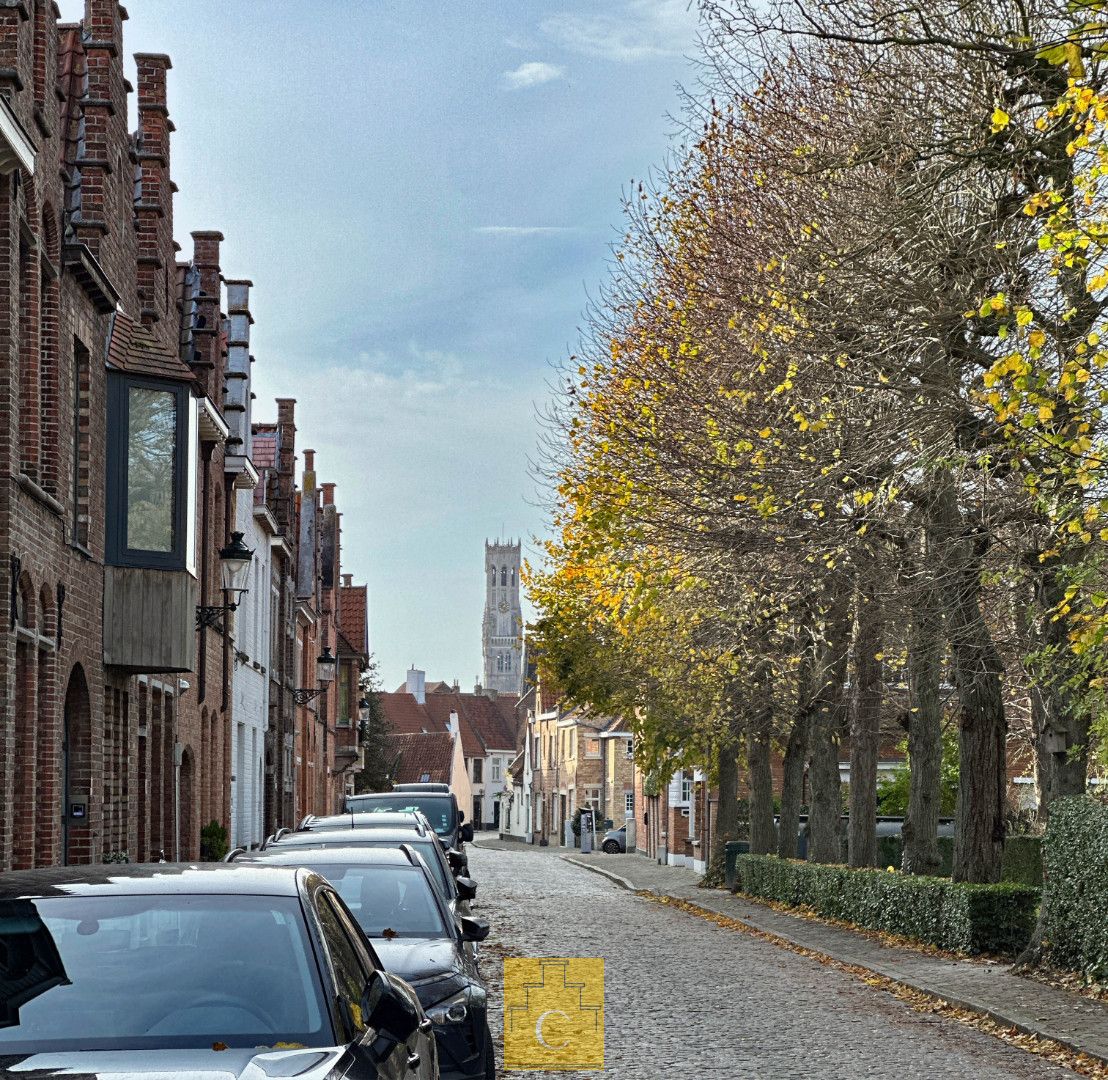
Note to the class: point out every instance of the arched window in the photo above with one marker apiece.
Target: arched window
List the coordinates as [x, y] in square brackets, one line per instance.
[503, 575]
[492, 571]
[499, 662]
[513, 577]
[507, 661]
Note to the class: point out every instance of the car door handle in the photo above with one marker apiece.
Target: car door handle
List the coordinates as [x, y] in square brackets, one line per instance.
[413, 1061]
[425, 1024]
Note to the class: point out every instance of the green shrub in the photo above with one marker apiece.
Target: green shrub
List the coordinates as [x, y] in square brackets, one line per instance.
[213, 842]
[1022, 862]
[1076, 866]
[955, 916]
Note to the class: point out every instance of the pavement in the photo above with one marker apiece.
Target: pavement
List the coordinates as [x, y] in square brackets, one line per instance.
[1078, 1023]
[686, 998]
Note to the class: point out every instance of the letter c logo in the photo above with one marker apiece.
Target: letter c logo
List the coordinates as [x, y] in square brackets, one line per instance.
[538, 1029]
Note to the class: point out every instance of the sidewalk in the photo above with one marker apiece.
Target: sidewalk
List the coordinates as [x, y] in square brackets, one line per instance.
[1076, 1022]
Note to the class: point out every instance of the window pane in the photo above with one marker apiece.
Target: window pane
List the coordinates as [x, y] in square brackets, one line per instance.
[151, 454]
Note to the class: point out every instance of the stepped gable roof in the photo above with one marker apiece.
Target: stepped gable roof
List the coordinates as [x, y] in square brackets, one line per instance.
[440, 706]
[405, 715]
[263, 453]
[421, 758]
[132, 348]
[353, 616]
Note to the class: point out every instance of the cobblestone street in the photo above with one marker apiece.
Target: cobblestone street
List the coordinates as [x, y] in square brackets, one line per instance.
[687, 999]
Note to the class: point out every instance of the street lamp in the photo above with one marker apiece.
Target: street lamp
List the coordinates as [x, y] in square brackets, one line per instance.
[363, 717]
[325, 665]
[234, 572]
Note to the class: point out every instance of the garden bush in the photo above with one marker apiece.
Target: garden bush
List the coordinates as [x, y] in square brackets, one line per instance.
[1022, 861]
[951, 915]
[213, 842]
[1076, 866]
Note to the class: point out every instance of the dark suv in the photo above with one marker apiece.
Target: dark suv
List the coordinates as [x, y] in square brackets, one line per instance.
[439, 807]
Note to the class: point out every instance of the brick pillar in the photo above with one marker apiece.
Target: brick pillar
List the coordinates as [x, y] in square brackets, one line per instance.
[286, 463]
[106, 96]
[154, 200]
[236, 395]
[209, 359]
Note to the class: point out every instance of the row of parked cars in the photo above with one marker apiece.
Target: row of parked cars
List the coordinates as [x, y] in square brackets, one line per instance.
[346, 948]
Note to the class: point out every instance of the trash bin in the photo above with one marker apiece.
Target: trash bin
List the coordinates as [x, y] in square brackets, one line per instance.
[731, 852]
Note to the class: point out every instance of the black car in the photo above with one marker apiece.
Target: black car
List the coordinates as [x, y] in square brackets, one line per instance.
[393, 896]
[439, 807]
[177, 970]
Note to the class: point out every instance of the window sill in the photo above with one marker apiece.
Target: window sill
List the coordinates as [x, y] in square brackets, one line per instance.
[40, 495]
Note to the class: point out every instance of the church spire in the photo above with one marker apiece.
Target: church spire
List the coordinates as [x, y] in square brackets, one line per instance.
[502, 628]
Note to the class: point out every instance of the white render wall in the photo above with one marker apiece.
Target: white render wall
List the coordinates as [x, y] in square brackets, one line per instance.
[250, 684]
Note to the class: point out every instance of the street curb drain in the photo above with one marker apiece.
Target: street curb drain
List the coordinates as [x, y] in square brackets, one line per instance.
[853, 968]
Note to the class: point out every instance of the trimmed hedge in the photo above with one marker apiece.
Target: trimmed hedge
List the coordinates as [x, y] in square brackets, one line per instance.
[1076, 920]
[1022, 861]
[955, 916]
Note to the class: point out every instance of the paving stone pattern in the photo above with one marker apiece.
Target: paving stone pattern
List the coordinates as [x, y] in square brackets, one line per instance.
[686, 999]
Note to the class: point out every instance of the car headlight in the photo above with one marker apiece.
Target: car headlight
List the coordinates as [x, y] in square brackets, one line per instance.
[454, 1010]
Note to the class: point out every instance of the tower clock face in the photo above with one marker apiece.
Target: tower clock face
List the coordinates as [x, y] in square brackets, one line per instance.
[503, 606]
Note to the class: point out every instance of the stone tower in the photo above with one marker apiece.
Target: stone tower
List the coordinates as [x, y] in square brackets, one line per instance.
[502, 629]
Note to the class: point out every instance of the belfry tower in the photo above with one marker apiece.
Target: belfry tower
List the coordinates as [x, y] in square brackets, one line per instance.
[502, 629]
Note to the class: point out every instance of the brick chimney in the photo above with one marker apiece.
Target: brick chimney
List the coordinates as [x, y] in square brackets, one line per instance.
[236, 393]
[286, 461]
[105, 120]
[208, 358]
[155, 254]
[328, 494]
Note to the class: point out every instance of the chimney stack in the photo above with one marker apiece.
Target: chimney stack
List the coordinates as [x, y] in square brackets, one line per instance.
[154, 200]
[206, 332]
[105, 121]
[328, 494]
[236, 392]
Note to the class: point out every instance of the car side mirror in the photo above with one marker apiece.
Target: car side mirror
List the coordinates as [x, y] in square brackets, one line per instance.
[466, 833]
[388, 1008]
[467, 887]
[456, 860]
[473, 929]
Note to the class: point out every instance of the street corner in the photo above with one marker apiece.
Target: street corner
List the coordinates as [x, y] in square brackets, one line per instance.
[553, 1013]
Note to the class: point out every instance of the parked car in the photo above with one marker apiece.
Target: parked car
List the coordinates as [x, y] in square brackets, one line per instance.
[439, 807]
[175, 970]
[615, 841]
[457, 891]
[392, 894]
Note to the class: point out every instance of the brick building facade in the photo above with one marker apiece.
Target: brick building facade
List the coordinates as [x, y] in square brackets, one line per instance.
[126, 462]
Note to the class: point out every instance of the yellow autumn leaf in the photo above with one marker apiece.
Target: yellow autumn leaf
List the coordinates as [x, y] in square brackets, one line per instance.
[1000, 119]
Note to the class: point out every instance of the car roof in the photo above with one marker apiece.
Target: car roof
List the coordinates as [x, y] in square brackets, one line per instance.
[340, 837]
[131, 879]
[366, 820]
[332, 853]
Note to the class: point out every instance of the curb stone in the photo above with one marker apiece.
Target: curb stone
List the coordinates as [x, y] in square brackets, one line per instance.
[919, 985]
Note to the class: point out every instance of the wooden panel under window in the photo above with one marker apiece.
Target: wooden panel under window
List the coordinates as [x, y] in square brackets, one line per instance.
[149, 619]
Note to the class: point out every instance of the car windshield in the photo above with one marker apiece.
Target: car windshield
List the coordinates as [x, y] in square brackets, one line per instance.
[438, 809]
[157, 972]
[387, 901]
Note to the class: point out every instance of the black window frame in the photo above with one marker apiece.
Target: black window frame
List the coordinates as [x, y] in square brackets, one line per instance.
[116, 551]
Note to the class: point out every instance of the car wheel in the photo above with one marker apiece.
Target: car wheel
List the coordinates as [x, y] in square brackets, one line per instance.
[490, 1055]
[611, 847]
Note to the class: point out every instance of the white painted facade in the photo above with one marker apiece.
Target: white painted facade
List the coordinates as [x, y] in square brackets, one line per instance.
[250, 681]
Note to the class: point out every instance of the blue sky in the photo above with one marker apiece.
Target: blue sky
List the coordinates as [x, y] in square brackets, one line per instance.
[424, 193]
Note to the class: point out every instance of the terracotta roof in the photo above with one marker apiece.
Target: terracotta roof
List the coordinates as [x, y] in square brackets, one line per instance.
[133, 349]
[404, 714]
[353, 615]
[264, 453]
[515, 770]
[421, 759]
[440, 706]
[493, 720]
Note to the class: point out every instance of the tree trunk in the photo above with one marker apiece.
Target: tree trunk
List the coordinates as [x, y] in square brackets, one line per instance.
[824, 842]
[792, 781]
[865, 731]
[763, 836]
[1061, 729]
[727, 814]
[982, 727]
[925, 734]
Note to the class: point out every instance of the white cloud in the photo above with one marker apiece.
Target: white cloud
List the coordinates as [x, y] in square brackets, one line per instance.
[521, 230]
[644, 29]
[532, 73]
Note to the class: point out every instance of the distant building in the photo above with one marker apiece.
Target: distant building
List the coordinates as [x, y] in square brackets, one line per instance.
[502, 627]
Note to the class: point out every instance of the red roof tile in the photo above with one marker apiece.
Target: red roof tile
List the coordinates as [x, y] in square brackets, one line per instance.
[440, 706]
[404, 714]
[353, 615]
[133, 349]
[421, 759]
